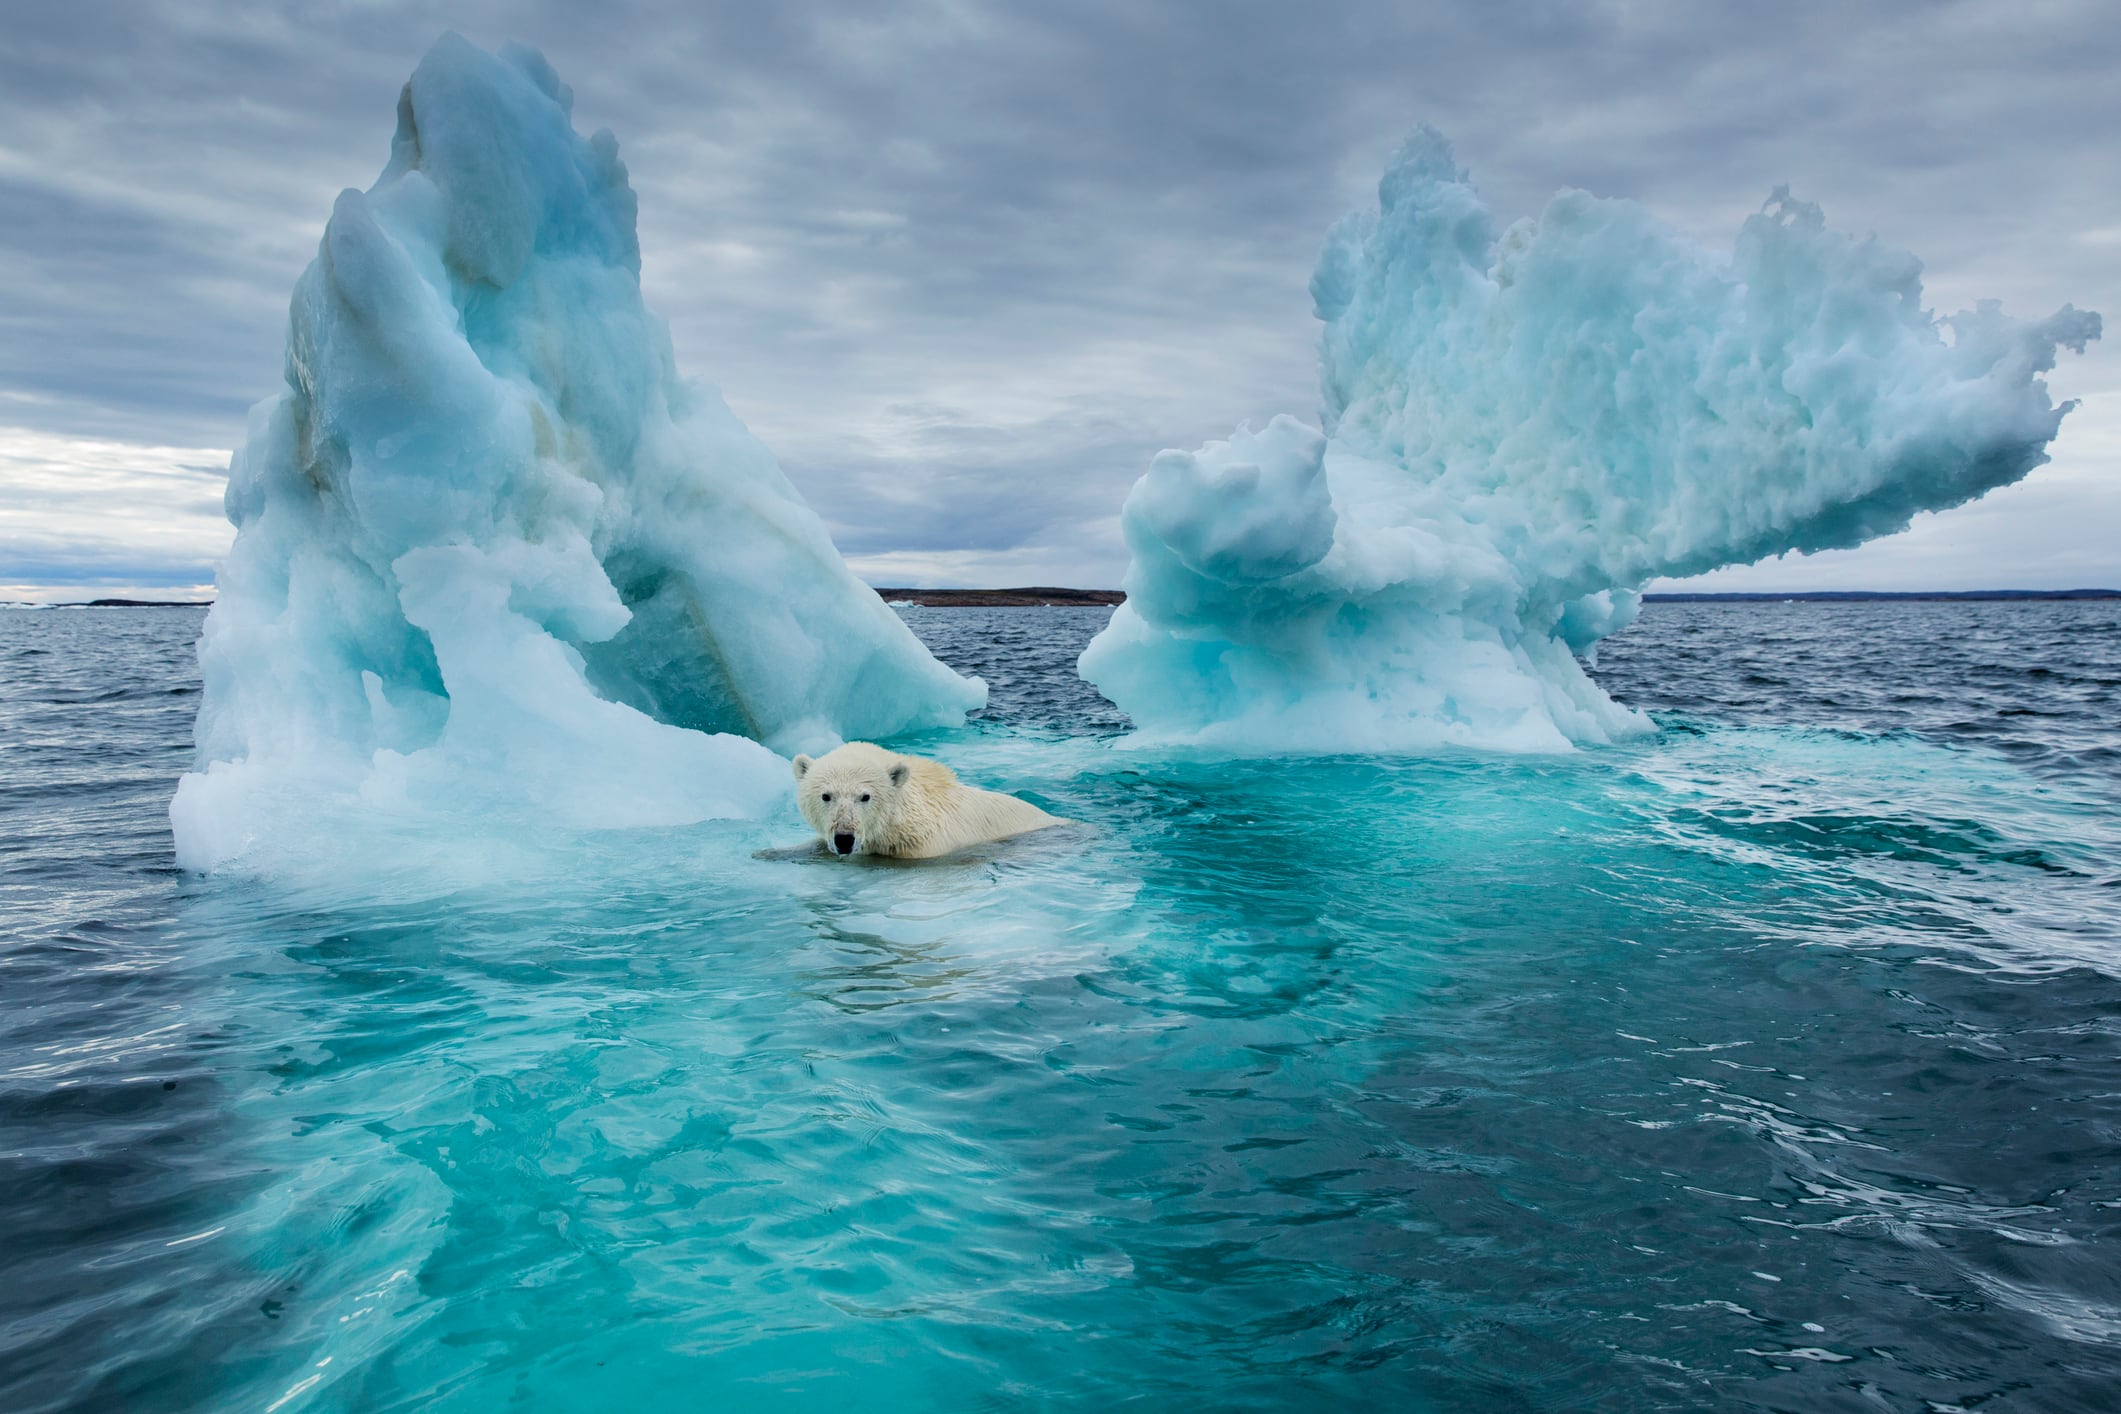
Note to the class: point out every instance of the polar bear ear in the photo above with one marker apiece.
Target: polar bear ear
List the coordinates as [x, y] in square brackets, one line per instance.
[898, 773]
[802, 766]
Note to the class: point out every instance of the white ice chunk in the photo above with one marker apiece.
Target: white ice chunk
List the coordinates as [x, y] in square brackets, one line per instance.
[1524, 430]
[493, 556]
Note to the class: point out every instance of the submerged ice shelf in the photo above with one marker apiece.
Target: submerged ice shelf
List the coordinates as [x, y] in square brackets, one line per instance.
[1522, 430]
[492, 553]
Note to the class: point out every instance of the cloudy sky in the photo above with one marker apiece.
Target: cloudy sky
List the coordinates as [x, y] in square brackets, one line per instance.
[966, 266]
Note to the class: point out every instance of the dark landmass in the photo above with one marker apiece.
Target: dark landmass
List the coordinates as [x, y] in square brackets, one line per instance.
[1038, 596]
[1866, 596]
[1014, 598]
[140, 604]
[110, 604]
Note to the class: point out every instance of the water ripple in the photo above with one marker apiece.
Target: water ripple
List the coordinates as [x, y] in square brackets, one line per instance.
[1767, 1065]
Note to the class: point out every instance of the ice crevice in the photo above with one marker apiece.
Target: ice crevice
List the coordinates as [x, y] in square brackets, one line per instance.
[1521, 429]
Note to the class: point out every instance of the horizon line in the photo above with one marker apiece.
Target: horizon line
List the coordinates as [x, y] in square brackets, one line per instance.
[1115, 596]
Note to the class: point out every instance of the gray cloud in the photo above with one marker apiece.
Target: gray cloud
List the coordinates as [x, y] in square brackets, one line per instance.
[966, 266]
[107, 517]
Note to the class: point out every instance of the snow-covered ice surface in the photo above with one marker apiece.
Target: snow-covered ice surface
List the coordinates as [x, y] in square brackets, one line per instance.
[1519, 432]
[494, 557]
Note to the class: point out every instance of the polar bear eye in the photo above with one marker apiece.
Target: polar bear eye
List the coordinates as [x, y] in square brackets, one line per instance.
[865, 797]
[826, 797]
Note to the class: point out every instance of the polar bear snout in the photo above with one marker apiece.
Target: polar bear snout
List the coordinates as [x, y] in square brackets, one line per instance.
[845, 799]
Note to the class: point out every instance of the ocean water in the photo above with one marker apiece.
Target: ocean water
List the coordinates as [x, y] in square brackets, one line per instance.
[1774, 1063]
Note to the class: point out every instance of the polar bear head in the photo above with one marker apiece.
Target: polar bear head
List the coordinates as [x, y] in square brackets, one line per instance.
[850, 795]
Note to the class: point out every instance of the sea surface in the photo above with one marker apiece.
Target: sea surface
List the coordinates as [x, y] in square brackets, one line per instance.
[1773, 1063]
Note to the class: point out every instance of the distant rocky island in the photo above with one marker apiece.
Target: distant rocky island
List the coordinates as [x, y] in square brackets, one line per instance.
[1039, 596]
[142, 604]
[1046, 596]
[109, 604]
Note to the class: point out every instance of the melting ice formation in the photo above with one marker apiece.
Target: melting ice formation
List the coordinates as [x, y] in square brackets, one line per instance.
[1519, 433]
[492, 554]
[494, 557]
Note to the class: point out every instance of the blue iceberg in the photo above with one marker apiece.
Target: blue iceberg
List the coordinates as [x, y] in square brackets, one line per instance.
[1520, 431]
[493, 555]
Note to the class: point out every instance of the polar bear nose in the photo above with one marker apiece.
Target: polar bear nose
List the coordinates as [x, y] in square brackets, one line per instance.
[844, 843]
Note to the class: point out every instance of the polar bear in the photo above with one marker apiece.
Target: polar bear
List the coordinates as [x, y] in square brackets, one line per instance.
[862, 799]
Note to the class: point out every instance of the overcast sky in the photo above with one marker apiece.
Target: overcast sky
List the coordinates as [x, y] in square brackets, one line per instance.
[965, 267]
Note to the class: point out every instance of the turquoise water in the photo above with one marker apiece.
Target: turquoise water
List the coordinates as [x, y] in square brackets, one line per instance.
[1773, 1064]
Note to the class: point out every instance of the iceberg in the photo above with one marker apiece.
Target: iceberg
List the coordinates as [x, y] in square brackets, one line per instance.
[1522, 429]
[493, 556]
